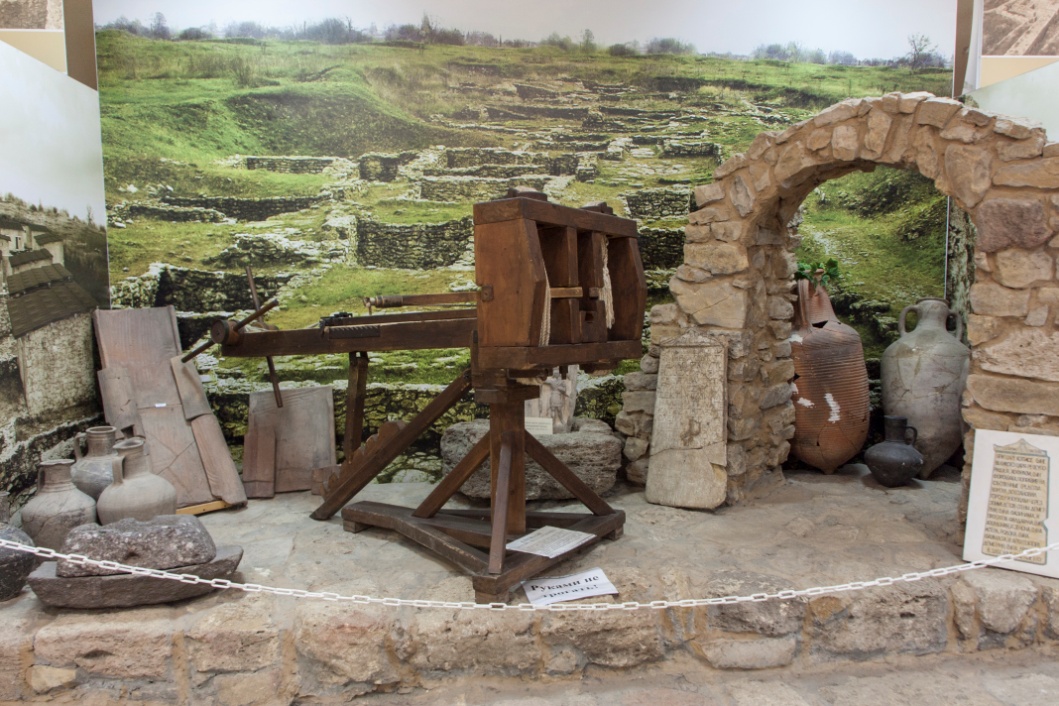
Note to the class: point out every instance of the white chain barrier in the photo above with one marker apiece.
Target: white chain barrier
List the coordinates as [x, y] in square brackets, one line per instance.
[82, 560]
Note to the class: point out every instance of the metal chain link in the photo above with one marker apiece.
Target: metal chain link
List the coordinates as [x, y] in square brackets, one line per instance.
[784, 595]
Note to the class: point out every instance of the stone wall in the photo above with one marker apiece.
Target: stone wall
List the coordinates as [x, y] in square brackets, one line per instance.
[382, 167]
[661, 248]
[463, 189]
[290, 165]
[193, 290]
[416, 246]
[246, 209]
[654, 204]
[177, 214]
[736, 280]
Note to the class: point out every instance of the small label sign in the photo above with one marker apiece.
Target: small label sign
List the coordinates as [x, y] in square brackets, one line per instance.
[556, 589]
[550, 541]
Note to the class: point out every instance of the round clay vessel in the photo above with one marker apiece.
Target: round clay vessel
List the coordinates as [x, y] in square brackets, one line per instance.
[830, 388]
[15, 566]
[894, 461]
[136, 492]
[923, 377]
[94, 471]
[57, 507]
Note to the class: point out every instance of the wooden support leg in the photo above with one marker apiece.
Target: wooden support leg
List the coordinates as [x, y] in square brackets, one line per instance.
[454, 480]
[509, 417]
[355, 391]
[567, 478]
[501, 505]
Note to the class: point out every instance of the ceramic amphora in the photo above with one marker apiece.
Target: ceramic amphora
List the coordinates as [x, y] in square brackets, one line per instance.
[923, 376]
[136, 492]
[57, 507]
[93, 471]
[895, 461]
[830, 392]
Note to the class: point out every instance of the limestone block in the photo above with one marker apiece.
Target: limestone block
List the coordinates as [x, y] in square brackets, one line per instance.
[728, 231]
[902, 136]
[730, 166]
[634, 448]
[837, 113]
[590, 450]
[1040, 173]
[163, 542]
[1025, 352]
[973, 166]
[879, 124]
[736, 460]
[1038, 316]
[134, 644]
[636, 472]
[235, 637]
[494, 643]
[908, 102]
[688, 444]
[962, 130]
[759, 146]
[819, 139]
[795, 158]
[780, 308]
[619, 639]
[262, 688]
[694, 275]
[965, 606]
[776, 395]
[1014, 395]
[996, 300]
[765, 653]
[926, 153]
[845, 143]
[1020, 268]
[906, 618]
[981, 261]
[639, 424]
[1050, 595]
[777, 372]
[639, 382]
[742, 194]
[768, 618]
[339, 645]
[43, 678]
[16, 643]
[698, 234]
[1010, 150]
[1017, 129]
[983, 328]
[708, 193]
[1051, 149]
[714, 303]
[937, 111]
[1003, 598]
[978, 418]
[717, 213]
[761, 176]
[718, 258]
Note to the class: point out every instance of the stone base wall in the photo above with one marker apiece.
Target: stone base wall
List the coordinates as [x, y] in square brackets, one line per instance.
[418, 246]
[460, 189]
[246, 209]
[177, 214]
[655, 204]
[192, 290]
[290, 165]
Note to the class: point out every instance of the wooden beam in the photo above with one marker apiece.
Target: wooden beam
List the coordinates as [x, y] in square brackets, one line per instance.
[454, 480]
[567, 478]
[412, 335]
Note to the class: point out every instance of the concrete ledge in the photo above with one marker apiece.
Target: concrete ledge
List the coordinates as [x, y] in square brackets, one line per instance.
[239, 648]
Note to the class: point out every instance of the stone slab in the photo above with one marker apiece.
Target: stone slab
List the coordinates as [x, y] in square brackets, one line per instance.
[127, 590]
[160, 543]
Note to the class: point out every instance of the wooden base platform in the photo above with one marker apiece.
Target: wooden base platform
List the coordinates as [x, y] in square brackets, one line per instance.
[460, 535]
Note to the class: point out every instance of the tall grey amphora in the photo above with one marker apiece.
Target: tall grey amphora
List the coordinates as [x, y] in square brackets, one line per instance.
[57, 507]
[924, 374]
[136, 493]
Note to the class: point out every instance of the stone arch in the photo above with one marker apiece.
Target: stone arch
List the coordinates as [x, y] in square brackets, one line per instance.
[736, 285]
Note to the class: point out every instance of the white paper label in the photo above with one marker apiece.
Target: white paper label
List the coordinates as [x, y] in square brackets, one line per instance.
[159, 405]
[556, 589]
[550, 541]
[540, 426]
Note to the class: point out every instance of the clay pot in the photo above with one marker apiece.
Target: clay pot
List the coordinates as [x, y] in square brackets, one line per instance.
[923, 377]
[57, 507]
[136, 492]
[15, 566]
[93, 471]
[830, 388]
[895, 461]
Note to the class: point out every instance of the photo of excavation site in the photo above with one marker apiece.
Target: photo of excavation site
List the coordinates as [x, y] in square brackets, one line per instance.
[1021, 28]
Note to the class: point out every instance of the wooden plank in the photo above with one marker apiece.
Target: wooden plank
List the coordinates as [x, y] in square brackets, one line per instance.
[454, 333]
[454, 480]
[567, 478]
[629, 286]
[259, 463]
[284, 444]
[174, 455]
[566, 292]
[189, 389]
[500, 503]
[356, 391]
[400, 520]
[352, 480]
[510, 270]
[552, 214]
[137, 336]
[203, 508]
[522, 358]
[119, 400]
[409, 316]
[221, 473]
[507, 424]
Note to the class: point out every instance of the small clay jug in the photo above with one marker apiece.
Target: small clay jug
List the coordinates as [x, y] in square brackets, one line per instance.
[895, 461]
[93, 471]
[136, 492]
[15, 566]
[57, 507]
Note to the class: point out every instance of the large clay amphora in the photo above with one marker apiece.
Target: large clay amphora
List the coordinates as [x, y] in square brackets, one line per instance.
[895, 461]
[57, 507]
[136, 492]
[923, 376]
[93, 471]
[15, 566]
[830, 383]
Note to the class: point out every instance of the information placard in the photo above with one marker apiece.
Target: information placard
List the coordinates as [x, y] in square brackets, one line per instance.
[1012, 496]
[556, 589]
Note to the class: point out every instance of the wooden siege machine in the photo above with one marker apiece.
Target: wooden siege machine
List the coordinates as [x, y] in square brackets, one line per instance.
[557, 286]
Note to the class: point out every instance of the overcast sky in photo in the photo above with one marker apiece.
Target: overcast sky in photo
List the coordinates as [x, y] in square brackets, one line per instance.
[50, 152]
[865, 28]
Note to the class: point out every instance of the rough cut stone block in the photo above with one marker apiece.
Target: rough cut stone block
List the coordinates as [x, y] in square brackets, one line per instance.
[1014, 395]
[845, 143]
[1030, 352]
[742, 195]
[769, 618]
[718, 258]
[765, 653]
[713, 303]
[837, 113]
[120, 645]
[972, 168]
[488, 644]
[235, 637]
[909, 618]
[16, 642]
[343, 648]
[996, 300]
[591, 451]
[619, 639]
[128, 590]
[1039, 173]
[708, 193]
[1010, 150]
[688, 459]
[879, 123]
[937, 111]
[1020, 268]
[907, 102]
[163, 542]
[1011, 222]
[1004, 598]
[1018, 130]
